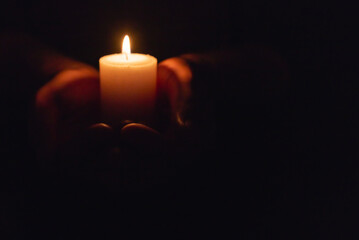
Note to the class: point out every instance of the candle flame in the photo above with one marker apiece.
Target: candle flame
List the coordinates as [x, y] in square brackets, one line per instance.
[126, 48]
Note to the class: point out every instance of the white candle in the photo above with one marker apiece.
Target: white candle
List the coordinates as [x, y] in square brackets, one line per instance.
[128, 86]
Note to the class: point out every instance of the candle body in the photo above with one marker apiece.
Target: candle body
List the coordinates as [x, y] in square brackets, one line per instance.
[128, 87]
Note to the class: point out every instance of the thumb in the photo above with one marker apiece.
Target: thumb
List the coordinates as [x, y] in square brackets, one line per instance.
[139, 136]
[174, 83]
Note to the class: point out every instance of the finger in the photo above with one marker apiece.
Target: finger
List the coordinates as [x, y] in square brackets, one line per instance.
[139, 136]
[174, 82]
[174, 77]
[74, 85]
[71, 91]
[100, 135]
[179, 67]
[68, 103]
[143, 158]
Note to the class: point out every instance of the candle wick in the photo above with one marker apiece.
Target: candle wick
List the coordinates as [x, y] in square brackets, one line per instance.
[126, 56]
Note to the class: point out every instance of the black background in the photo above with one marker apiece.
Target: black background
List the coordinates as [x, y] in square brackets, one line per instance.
[292, 172]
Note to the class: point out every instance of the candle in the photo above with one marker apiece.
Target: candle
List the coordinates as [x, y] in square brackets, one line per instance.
[128, 85]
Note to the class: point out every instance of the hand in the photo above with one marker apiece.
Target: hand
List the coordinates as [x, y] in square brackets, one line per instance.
[68, 105]
[142, 156]
[174, 88]
[65, 107]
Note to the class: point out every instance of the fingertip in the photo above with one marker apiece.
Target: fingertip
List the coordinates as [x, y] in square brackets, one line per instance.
[138, 129]
[141, 136]
[178, 67]
[100, 127]
[100, 133]
[43, 98]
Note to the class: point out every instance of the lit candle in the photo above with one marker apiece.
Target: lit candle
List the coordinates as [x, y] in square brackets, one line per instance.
[128, 85]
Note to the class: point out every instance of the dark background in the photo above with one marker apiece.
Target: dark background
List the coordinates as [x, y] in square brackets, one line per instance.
[89, 29]
[292, 172]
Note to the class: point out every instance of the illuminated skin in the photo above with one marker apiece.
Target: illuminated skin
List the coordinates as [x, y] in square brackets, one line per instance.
[68, 113]
[72, 91]
[69, 103]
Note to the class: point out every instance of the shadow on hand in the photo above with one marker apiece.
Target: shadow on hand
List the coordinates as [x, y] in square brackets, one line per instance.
[128, 158]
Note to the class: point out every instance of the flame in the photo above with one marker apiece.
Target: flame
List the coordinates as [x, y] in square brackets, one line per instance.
[126, 48]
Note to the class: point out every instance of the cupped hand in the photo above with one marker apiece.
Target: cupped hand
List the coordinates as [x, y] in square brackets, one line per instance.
[70, 136]
[142, 155]
[66, 106]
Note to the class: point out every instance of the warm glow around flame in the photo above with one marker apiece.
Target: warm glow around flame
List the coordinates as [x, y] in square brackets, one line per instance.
[126, 48]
